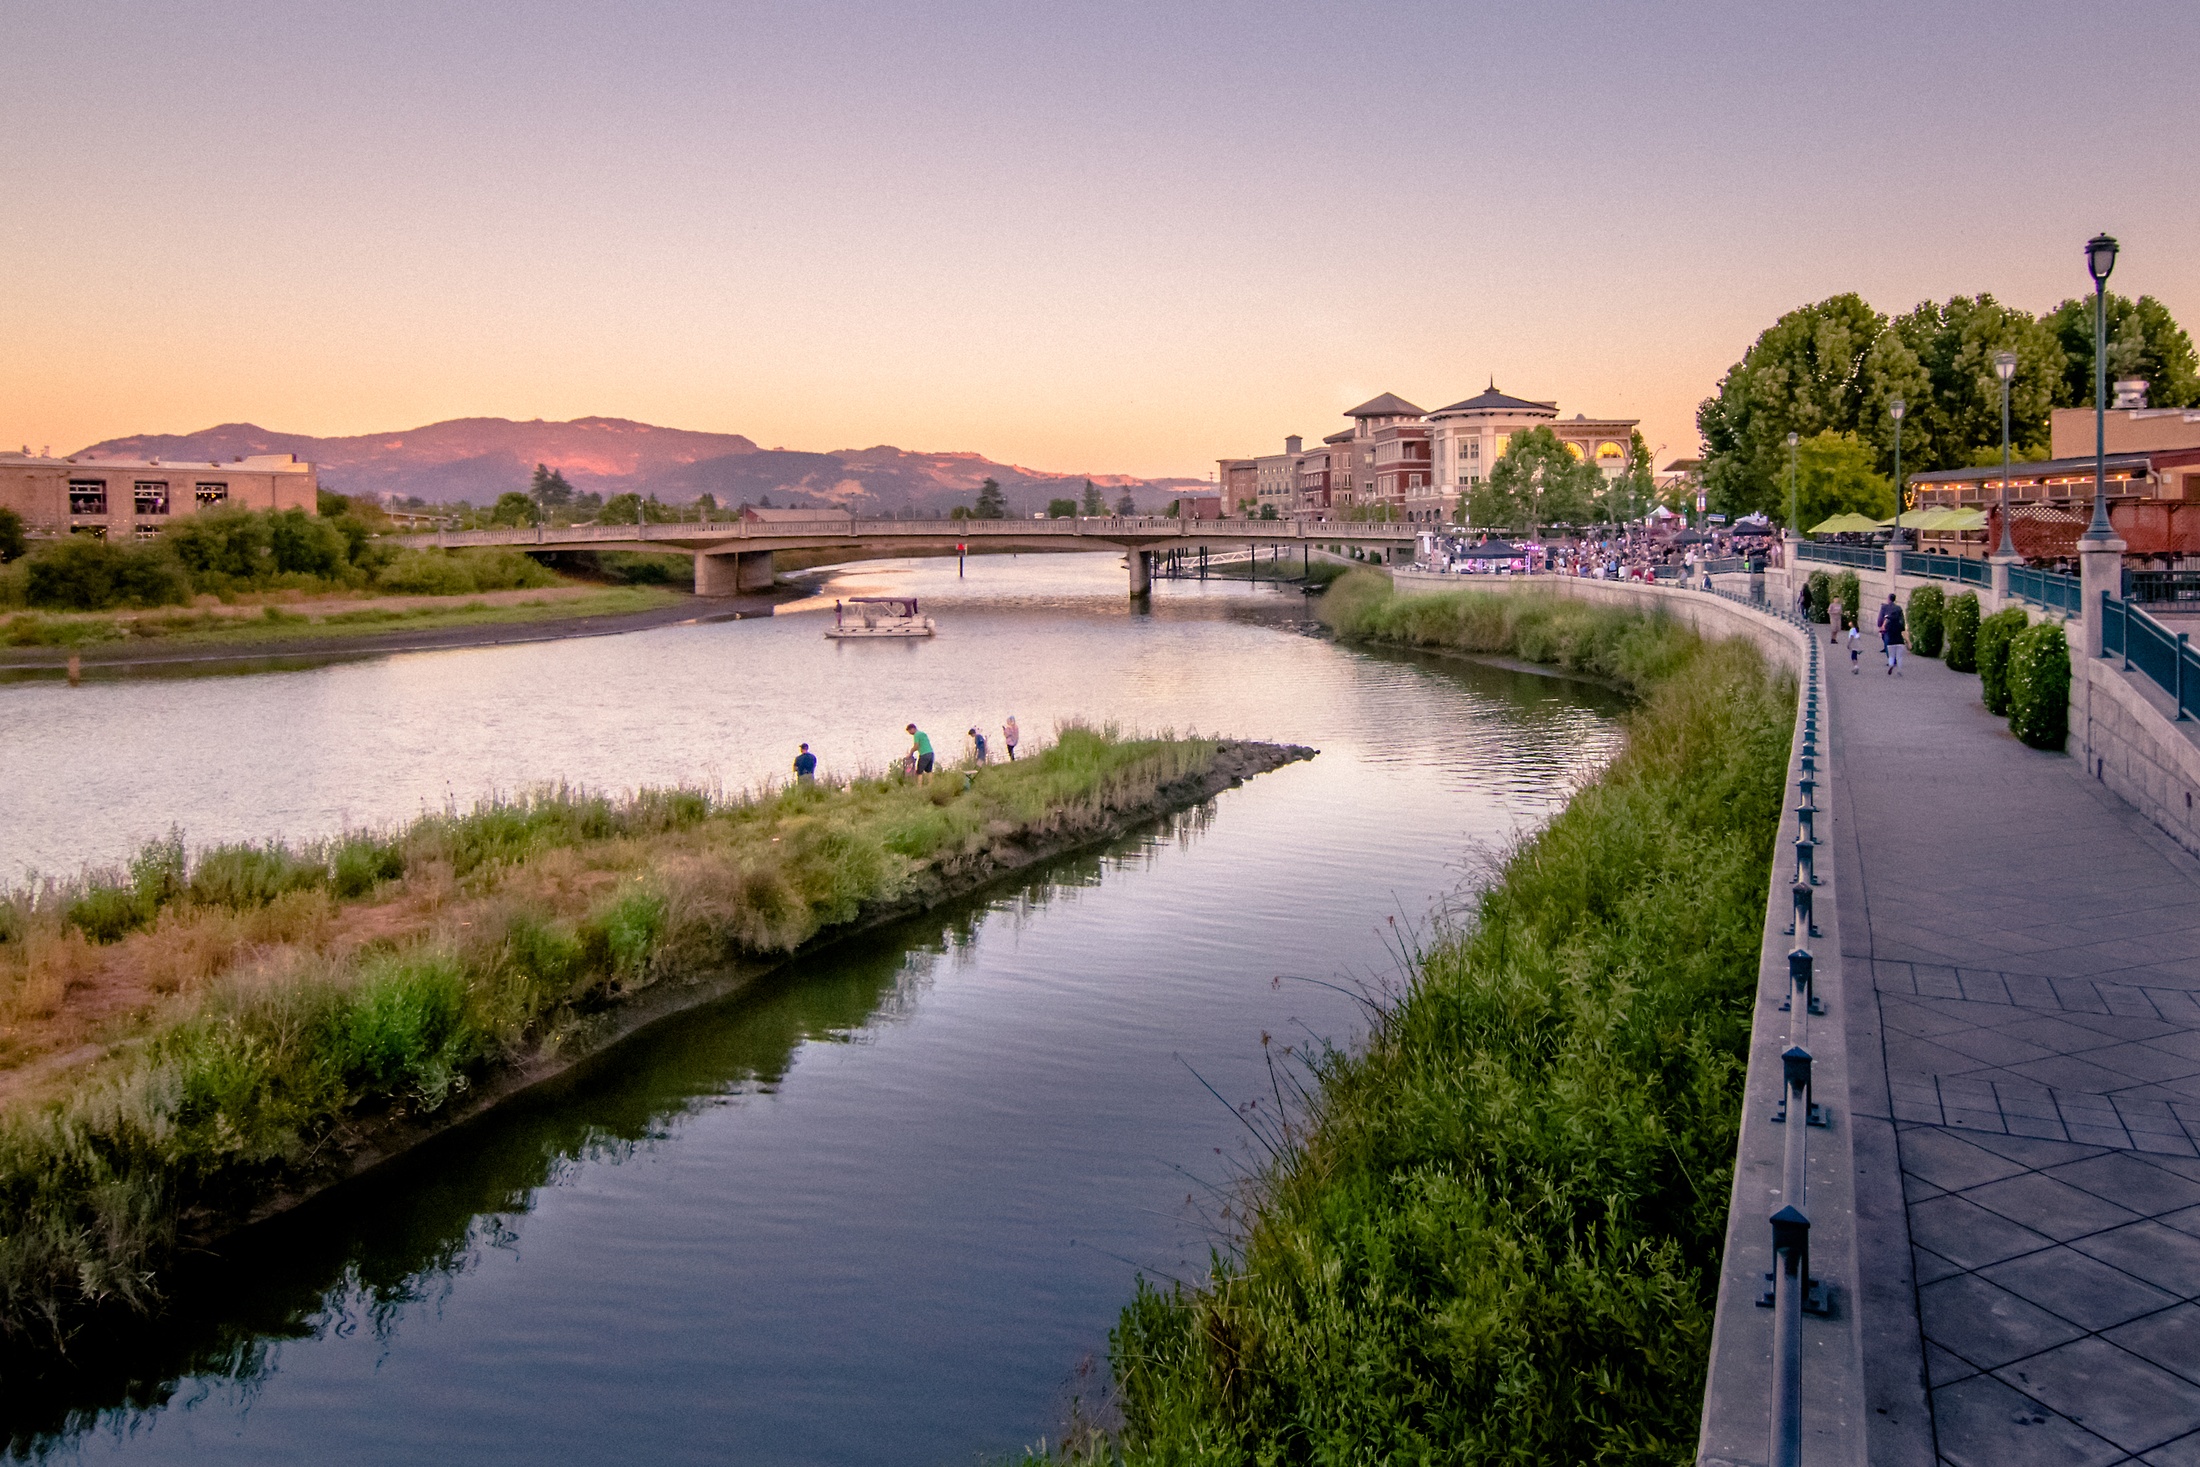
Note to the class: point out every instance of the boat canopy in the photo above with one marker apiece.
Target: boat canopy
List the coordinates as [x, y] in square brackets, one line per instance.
[901, 605]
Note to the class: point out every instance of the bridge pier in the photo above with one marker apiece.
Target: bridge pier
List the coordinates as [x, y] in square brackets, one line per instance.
[729, 573]
[1141, 566]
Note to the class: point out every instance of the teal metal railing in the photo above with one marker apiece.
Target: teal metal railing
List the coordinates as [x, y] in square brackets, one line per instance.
[2166, 658]
[1947, 568]
[2046, 588]
[1863, 557]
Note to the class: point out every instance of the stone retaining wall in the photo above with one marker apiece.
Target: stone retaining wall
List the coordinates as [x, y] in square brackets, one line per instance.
[2126, 735]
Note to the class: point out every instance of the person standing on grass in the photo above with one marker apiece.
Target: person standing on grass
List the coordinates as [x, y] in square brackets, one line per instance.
[920, 749]
[805, 766]
[977, 748]
[1891, 625]
[1011, 737]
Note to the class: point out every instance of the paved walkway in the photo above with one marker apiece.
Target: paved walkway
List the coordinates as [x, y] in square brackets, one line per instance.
[2034, 947]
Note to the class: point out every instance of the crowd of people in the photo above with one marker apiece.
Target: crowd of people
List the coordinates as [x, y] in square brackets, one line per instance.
[922, 759]
[1641, 552]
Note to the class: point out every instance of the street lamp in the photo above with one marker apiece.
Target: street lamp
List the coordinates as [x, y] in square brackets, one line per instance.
[2005, 367]
[2100, 259]
[1795, 525]
[1897, 407]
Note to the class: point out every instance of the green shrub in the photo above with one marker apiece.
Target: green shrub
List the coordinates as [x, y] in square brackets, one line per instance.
[244, 877]
[361, 862]
[1927, 610]
[107, 913]
[624, 934]
[302, 544]
[1820, 587]
[84, 573]
[224, 548]
[402, 1032]
[2039, 685]
[1849, 592]
[462, 572]
[1962, 630]
[1995, 634]
[12, 540]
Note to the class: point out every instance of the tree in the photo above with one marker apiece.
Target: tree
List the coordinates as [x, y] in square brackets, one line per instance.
[1268, 512]
[1125, 505]
[12, 541]
[1539, 481]
[515, 508]
[1955, 395]
[549, 489]
[626, 509]
[990, 505]
[1834, 475]
[1810, 372]
[2144, 341]
[1094, 504]
[1061, 509]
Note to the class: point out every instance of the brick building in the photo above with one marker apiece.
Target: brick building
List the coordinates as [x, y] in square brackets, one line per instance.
[133, 498]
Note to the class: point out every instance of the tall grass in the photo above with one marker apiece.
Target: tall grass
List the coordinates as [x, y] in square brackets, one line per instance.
[1494, 1233]
[309, 991]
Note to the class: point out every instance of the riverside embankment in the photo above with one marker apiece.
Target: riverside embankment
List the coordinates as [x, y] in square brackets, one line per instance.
[876, 1207]
[1495, 1230]
[205, 1043]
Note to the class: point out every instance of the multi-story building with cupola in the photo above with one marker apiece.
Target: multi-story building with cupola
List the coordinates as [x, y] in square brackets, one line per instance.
[1417, 462]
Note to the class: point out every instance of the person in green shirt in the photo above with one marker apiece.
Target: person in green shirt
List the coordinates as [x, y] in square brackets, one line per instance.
[920, 745]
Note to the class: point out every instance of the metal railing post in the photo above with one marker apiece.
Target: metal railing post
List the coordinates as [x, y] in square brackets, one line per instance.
[1790, 1276]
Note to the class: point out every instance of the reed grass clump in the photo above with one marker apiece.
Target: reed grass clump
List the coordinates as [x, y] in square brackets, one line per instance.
[1495, 1233]
[274, 1000]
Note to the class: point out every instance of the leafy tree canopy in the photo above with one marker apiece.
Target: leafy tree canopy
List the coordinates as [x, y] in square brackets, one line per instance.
[1061, 509]
[1126, 505]
[1094, 504]
[549, 489]
[1834, 475]
[1538, 482]
[2144, 341]
[515, 508]
[12, 540]
[991, 505]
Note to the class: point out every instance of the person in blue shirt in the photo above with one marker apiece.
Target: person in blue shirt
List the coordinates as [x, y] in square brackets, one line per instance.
[805, 765]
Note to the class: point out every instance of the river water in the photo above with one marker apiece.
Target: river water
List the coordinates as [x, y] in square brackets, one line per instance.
[884, 1208]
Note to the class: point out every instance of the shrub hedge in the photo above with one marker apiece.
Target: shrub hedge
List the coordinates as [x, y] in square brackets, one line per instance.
[1962, 628]
[1849, 592]
[1928, 607]
[1994, 636]
[2039, 685]
[1820, 586]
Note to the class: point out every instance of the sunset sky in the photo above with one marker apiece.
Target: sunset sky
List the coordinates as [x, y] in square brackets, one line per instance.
[1121, 237]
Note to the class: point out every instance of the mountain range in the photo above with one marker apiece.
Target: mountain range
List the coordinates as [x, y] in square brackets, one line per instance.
[477, 459]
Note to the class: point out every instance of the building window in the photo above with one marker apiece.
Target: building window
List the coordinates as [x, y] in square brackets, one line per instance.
[213, 494]
[87, 496]
[148, 532]
[152, 496]
[97, 532]
[1474, 448]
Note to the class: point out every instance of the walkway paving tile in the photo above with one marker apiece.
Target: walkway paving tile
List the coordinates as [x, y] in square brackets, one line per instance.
[2184, 1452]
[2086, 1292]
[2110, 1392]
[2170, 1339]
[2129, 1181]
[1987, 1325]
[2150, 1250]
[1967, 1234]
[1981, 1422]
[2044, 1205]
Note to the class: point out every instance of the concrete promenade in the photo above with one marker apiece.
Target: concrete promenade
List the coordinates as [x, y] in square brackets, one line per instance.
[2033, 948]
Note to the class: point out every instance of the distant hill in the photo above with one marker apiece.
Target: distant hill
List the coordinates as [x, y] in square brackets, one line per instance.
[477, 459]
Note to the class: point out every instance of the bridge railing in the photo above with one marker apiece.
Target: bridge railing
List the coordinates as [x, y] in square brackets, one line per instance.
[842, 527]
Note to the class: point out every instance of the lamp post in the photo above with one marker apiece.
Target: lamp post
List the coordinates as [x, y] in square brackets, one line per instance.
[1896, 407]
[1795, 524]
[2100, 259]
[2005, 367]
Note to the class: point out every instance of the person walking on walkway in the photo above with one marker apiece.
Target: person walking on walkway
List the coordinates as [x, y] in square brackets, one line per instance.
[805, 766]
[1011, 736]
[920, 748]
[1856, 645]
[1891, 622]
[1835, 617]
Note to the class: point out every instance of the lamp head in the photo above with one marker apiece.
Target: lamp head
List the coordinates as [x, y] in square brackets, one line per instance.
[2100, 257]
[1896, 407]
[1794, 438]
[2005, 365]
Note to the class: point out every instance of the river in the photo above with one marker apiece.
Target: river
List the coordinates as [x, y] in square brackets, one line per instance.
[884, 1208]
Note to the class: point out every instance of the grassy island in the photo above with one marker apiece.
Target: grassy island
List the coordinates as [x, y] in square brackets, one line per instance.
[1494, 1233]
[200, 1041]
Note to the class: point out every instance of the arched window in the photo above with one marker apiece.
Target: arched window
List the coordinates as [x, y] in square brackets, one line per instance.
[1575, 449]
[1609, 450]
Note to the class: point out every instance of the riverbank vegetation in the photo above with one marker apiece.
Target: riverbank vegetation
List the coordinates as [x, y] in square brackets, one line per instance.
[1493, 1233]
[185, 1039]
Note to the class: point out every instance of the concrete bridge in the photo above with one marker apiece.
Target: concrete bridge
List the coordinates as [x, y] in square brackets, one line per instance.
[732, 556]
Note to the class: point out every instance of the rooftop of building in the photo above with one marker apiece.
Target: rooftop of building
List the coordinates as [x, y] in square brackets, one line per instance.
[1493, 401]
[2060, 468]
[259, 462]
[1389, 405]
